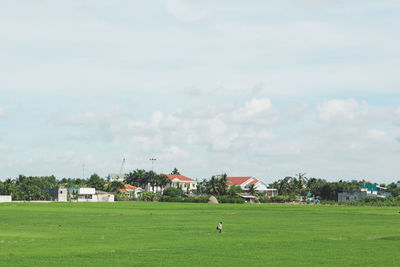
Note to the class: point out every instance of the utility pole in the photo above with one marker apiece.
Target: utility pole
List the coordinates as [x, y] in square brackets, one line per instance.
[83, 171]
[152, 163]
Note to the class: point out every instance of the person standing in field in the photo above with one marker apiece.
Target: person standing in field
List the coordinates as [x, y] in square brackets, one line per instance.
[219, 227]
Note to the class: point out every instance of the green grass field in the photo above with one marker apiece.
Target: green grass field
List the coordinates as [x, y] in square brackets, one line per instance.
[183, 234]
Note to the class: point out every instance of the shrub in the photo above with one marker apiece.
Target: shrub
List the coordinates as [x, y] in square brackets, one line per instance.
[120, 197]
[148, 196]
[173, 192]
[230, 199]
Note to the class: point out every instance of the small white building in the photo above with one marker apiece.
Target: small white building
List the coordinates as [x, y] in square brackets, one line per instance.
[116, 177]
[92, 195]
[5, 198]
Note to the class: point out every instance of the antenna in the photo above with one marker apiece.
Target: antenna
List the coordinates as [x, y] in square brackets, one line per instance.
[152, 162]
[122, 165]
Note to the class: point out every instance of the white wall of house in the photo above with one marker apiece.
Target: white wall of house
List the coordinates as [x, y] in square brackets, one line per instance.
[86, 191]
[192, 185]
[62, 194]
[5, 198]
[260, 186]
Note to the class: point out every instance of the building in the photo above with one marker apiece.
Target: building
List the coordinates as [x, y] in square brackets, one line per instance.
[365, 191]
[186, 183]
[59, 194]
[92, 195]
[352, 196]
[5, 198]
[375, 190]
[116, 177]
[131, 191]
[245, 181]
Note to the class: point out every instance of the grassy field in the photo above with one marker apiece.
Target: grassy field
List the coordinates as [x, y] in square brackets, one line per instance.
[183, 234]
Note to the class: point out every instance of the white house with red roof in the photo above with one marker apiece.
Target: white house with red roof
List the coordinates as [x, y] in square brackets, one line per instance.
[131, 190]
[186, 183]
[246, 181]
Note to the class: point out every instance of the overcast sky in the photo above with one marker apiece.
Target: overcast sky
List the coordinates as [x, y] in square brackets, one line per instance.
[255, 88]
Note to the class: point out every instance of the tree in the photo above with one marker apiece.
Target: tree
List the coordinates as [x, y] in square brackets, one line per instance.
[173, 192]
[137, 178]
[175, 171]
[217, 185]
[163, 181]
[233, 190]
[251, 189]
[302, 180]
[212, 186]
[96, 182]
[114, 186]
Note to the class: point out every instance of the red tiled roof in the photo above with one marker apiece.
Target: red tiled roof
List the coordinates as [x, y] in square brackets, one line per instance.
[130, 187]
[253, 182]
[237, 180]
[179, 177]
[122, 190]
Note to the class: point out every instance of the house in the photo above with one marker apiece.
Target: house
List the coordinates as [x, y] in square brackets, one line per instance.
[245, 181]
[131, 191]
[186, 183]
[59, 194]
[116, 177]
[365, 191]
[375, 190]
[92, 195]
[5, 198]
[352, 196]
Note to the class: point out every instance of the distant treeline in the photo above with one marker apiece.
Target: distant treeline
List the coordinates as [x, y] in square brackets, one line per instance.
[289, 188]
[322, 189]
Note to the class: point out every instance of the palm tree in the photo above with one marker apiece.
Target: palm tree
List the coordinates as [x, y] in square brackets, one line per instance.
[136, 178]
[251, 189]
[222, 184]
[212, 186]
[163, 181]
[302, 180]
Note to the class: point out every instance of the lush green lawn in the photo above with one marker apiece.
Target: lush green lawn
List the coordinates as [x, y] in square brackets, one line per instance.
[111, 234]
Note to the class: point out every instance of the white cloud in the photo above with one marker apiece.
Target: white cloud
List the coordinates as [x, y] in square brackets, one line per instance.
[337, 109]
[184, 11]
[2, 111]
[376, 134]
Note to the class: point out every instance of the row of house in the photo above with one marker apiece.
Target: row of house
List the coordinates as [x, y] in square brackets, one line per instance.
[365, 191]
[187, 184]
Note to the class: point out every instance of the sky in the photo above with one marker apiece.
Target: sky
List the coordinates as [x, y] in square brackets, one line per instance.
[248, 88]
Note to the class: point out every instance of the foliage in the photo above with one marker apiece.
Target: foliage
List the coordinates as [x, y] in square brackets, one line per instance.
[230, 199]
[175, 171]
[148, 196]
[28, 187]
[233, 190]
[173, 192]
[122, 197]
[143, 179]
[277, 199]
[217, 185]
[251, 189]
[96, 182]
[184, 199]
[114, 186]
